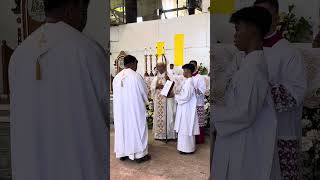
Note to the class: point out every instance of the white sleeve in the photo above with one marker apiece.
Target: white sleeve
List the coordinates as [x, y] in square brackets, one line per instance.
[251, 92]
[296, 81]
[232, 67]
[96, 62]
[143, 88]
[185, 94]
[202, 86]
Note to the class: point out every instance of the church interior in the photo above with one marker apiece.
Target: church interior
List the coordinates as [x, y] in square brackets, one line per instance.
[179, 31]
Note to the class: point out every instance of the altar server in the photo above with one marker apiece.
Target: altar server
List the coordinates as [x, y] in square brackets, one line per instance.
[288, 81]
[200, 89]
[186, 124]
[246, 125]
[164, 108]
[58, 82]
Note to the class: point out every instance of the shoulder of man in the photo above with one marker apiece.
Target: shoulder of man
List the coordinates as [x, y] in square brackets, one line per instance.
[287, 49]
[86, 45]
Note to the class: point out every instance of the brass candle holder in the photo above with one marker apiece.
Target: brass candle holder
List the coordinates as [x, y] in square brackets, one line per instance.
[146, 65]
[151, 74]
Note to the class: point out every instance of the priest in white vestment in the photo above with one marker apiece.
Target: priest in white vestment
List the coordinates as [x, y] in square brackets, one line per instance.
[200, 88]
[186, 124]
[172, 71]
[287, 76]
[129, 109]
[246, 125]
[164, 108]
[58, 82]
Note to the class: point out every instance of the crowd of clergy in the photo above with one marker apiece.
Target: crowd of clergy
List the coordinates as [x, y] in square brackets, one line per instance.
[179, 115]
[58, 102]
[256, 129]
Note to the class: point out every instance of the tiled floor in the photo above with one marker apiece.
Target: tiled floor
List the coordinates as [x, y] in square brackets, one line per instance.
[166, 163]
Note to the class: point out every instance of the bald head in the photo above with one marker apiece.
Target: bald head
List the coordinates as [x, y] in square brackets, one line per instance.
[161, 67]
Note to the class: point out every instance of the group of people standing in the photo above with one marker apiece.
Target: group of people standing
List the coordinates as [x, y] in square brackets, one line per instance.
[58, 127]
[165, 107]
[179, 115]
[257, 129]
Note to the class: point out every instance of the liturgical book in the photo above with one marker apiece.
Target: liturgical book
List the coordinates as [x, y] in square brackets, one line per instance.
[167, 88]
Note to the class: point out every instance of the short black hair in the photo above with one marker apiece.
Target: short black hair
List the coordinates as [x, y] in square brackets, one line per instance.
[189, 67]
[129, 59]
[273, 3]
[50, 5]
[194, 62]
[258, 16]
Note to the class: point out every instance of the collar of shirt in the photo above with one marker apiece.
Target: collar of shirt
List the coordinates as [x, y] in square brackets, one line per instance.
[272, 39]
[195, 73]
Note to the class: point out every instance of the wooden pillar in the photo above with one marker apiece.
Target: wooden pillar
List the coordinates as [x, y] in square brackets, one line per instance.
[6, 55]
[316, 41]
[146, 65]
[131, 8]
[151, 69]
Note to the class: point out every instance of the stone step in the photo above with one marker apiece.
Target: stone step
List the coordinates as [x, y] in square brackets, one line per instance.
[4, 107]
[4, 113]
[4, 100]
[4, 116]
[4, 119]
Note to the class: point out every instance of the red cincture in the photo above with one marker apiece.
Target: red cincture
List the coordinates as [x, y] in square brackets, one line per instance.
[194, 74]
[272, 40]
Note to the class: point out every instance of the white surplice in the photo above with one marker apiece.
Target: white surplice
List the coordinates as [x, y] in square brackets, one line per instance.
[186, 124]
[164, 110]
[171, 72]
[286, 67]
[200, 86]
[129, 109]
[246, 126]
[58, 123]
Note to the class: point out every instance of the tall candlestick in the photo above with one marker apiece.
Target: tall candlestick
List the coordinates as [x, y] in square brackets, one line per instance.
[145, 51]
[151, 74]
[146, 67]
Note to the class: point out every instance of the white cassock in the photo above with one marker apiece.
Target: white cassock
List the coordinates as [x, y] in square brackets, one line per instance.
[200, 86]
[286, 67]
[289, 84]
[129, 109]
[58, 123]
[171, 72]
[199, 83]
[164, 111]
[246, 126]
[186, 124]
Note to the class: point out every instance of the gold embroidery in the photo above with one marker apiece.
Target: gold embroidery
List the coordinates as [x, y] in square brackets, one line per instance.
[160, 114]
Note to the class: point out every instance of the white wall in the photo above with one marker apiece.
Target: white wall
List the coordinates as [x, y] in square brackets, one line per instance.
[96, 26]
[133, 38]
